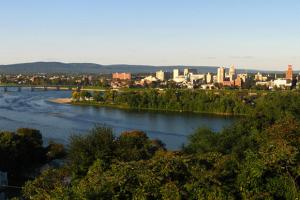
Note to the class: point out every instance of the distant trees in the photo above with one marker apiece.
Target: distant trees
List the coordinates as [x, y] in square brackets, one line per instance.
[97, 96]
[85, 94]
[75, 96]
[178, 100]
[220, 102]
[82, 95]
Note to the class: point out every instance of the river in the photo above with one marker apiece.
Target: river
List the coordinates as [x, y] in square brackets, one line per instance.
[58, 121]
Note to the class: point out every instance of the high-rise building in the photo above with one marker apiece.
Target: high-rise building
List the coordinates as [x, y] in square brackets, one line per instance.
[175, 73]
[232, 74]
[160, 75]
[220, 75]
[289, 73]
[209, 78]
[186, 71]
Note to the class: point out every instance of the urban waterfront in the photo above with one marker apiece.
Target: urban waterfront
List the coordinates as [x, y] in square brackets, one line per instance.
[58, 121]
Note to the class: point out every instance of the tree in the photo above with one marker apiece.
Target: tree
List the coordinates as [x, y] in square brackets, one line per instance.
[85, 149]
[76, 96]
[55, 151]
[23, 152]
[134, 145]
[97, 96]
[202, 141]
[51, 184]
[272, 171]
[85, 94]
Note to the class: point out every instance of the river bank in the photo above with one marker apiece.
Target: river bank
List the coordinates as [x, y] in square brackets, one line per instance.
[61, 100]
[126, 107]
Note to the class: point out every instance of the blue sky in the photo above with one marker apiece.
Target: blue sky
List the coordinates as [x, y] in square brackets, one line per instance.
[247, 33]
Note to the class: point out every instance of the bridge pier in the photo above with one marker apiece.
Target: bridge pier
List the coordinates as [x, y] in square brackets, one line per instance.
[5, 89]
[32, 89]
[19, 89]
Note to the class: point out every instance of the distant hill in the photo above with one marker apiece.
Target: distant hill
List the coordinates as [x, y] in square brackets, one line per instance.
[91, 68]
[87, 68]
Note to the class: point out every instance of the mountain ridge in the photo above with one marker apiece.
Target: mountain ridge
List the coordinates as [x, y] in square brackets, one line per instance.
[93, 68]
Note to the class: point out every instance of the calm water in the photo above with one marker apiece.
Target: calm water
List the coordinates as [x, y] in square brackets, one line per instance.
[58, 121]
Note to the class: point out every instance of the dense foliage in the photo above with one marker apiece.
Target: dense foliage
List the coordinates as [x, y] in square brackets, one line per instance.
[22, 152]
[222, 102]
[256, 158]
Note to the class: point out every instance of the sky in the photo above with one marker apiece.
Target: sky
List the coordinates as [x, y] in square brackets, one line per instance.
[258, 34]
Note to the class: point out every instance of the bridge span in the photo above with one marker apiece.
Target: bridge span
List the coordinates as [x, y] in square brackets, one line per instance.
[7, 88]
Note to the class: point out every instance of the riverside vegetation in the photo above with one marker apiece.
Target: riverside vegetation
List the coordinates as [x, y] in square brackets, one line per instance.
[256, 158]
[182, 100]
[223, 102]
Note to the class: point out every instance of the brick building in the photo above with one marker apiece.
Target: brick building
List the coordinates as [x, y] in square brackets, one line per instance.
[121, 76]
[289, 73]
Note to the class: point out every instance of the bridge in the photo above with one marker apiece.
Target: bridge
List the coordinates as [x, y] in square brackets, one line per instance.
[7, 88]
[19, 88]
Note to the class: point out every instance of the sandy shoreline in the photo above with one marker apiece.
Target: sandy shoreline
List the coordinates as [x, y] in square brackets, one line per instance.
[61, 100]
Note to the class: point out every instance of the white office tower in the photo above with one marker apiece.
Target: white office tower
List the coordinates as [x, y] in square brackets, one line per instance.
[232, 73]
[208, 78]
[186, 72]
[175, 73]
[160, 75]
[221, 75]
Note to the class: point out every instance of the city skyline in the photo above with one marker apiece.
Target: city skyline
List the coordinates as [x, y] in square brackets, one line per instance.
[249, 34]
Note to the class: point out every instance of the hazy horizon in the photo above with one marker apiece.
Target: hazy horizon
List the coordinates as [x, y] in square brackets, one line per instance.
[158, 66]
[248, 34]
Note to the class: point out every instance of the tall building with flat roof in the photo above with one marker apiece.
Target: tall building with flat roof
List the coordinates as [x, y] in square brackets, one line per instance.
[175, 73]
[160, 75]
[187, 71]
[221, 75]
[289, 73]
[209, 78]
[232, 73]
